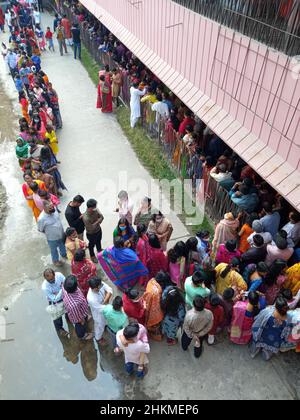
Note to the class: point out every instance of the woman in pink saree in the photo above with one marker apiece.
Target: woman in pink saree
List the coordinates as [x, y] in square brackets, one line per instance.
[244, 313]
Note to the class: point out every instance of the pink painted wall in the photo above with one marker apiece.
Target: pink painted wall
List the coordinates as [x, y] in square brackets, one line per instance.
[255, 85]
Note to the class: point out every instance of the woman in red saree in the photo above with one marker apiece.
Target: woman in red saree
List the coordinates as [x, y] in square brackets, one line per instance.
[99, 96]
[134, 306]
[83, 269]
[24, 106]
[157, 260]
[106, 95]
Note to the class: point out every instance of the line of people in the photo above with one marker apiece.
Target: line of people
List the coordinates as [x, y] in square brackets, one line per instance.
[163, 289]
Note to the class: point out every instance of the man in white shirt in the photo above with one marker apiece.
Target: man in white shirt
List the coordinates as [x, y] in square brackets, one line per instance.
[8, 19]
[52, 287]
[133, 340]
[293, 228]
[36, 16]
[99, 295]
[135, 103]
[220, 173]
[161, 108]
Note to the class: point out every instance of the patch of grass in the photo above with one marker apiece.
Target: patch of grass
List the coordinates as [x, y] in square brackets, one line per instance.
[148, 151]
[91, 66]
[151, 156]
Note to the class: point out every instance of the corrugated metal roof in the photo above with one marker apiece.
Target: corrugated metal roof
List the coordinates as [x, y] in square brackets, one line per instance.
[268, 164]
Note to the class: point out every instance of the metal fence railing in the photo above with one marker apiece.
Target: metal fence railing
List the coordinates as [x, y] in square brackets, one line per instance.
[275, 23]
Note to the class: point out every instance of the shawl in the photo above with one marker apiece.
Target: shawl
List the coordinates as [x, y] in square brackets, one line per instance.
[22, 151]
[225, 231]
[134, 310]
[122, 266]
[261, 321]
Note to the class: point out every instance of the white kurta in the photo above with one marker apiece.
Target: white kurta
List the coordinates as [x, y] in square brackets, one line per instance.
[135, 104]
[95, 301]
[162, 111]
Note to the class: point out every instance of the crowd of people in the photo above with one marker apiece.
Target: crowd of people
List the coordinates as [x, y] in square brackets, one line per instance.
[244, 280]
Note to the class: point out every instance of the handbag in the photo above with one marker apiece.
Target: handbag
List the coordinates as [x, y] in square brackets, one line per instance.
[105, 89]
[56, 311]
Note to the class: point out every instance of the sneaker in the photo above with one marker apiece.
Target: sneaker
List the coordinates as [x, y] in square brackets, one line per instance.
[211, 340]
[95, 260]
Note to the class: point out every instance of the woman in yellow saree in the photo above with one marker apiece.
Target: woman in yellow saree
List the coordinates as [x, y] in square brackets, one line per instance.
[227, 276]
[293, 279]
[28, 193]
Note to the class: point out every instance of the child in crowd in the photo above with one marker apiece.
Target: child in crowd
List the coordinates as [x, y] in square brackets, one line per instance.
[49, 38]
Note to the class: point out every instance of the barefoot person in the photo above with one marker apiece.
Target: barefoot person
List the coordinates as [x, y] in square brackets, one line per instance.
[50, 224]
[98, 296]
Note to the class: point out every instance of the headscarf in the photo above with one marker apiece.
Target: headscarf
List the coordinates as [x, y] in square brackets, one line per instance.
[22, 151]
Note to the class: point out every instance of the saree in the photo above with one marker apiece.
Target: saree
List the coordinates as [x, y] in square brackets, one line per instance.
[164, 232]
[83, 270]
[241, 326]
[106, 97]
[24, 107]
[142, 251]
[134, 310]
[267, 334]
[154, 313]
[22, 152]
[293, 279]
[122, 266]
[157, 261]
[99, 97]
[27, 191]
[47, 164]
[233, 279]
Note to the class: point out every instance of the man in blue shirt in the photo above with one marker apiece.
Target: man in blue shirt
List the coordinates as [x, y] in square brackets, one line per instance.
[55, 22]
[11, 60]
[24, 73]
[37, 62]
[52, 287]
[243, 198]
[270, 221]
[18, 83]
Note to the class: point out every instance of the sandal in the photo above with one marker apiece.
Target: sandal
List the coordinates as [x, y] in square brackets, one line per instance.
[88, 336]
